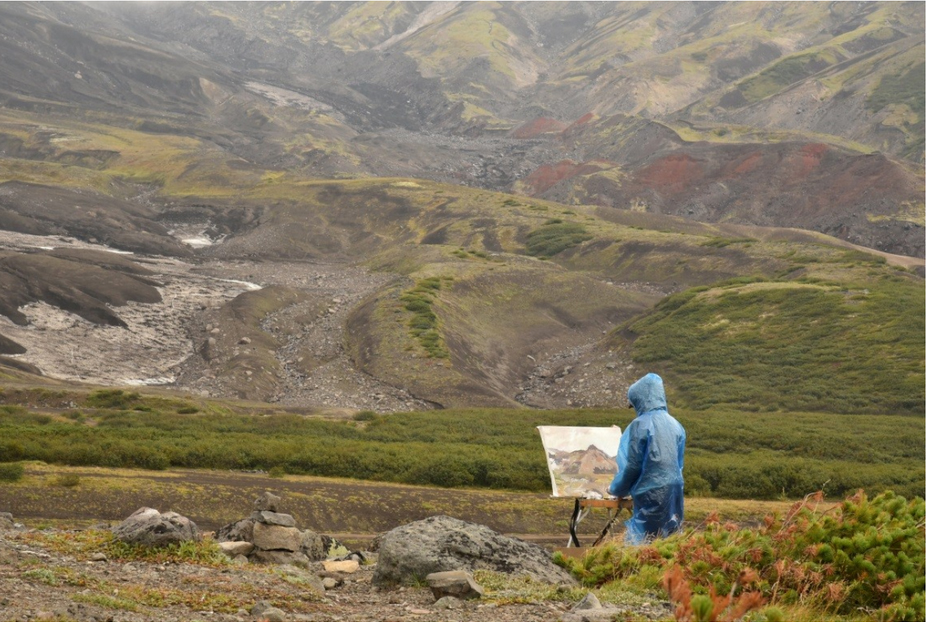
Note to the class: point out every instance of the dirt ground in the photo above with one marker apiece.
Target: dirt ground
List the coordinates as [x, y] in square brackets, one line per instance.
[40, 584]
[52, 569]
[350, 510]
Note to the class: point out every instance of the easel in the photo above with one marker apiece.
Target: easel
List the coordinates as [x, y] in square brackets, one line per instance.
[584, 506]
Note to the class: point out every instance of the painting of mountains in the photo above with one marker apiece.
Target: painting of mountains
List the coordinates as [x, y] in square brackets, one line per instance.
[581, 460]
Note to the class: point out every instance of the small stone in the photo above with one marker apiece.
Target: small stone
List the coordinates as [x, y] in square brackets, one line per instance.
[260, 607]
[274, 518]
[267, 501]
[448, 602]
[234, 549]
[458, 583]
[349, 566]
[98, 557]
[330, 583]
[273, 615]
[245, 340]
[589, 602]
[215, 331]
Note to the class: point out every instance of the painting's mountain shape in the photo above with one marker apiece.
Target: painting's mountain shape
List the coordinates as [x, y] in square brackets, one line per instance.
[591, 461]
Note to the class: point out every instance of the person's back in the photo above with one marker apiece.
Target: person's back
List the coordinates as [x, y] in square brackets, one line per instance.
[650, 461]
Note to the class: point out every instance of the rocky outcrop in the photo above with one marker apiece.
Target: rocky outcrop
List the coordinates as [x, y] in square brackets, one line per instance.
[148, 527]
[442, 543]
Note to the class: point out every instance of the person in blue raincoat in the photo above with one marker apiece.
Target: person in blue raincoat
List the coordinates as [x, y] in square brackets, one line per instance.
[650, 458]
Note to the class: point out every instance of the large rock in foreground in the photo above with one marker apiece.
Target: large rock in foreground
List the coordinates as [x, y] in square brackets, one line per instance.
[441, 543]
[149, 527]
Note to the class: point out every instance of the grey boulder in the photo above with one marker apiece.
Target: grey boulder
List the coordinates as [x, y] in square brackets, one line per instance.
[148, 527]
[442, 543]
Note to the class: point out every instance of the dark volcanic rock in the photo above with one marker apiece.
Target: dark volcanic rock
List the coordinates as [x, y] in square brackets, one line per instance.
[84, 283]
[442, 543]
[8, 346]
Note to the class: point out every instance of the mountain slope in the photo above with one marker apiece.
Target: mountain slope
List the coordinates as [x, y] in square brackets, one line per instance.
[311, 193]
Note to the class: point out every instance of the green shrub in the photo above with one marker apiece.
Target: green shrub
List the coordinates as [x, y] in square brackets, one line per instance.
[423, 324]
[11, 471]
[554, 237]
[112, 398]
[67, 480]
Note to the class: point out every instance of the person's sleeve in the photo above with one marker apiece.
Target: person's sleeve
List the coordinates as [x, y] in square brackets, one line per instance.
[630, 455]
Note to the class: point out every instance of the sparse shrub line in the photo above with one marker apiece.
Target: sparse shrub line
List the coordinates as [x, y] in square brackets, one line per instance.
[423, 325]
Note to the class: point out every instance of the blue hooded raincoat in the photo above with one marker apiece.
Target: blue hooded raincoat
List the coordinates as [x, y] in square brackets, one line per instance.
[650, 458]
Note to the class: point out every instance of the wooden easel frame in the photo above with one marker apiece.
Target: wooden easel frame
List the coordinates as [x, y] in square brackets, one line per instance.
[584, 506]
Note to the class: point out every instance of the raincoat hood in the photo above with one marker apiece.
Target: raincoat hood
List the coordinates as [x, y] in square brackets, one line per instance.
[647, 394]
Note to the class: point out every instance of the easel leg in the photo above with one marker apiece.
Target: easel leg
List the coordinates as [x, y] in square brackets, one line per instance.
[607, 528]
[573, 523]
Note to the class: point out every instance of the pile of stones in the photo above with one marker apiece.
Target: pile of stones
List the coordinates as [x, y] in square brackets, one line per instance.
[270, 537]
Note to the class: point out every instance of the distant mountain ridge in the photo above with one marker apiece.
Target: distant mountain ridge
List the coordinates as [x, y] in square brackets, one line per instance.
[393, 91]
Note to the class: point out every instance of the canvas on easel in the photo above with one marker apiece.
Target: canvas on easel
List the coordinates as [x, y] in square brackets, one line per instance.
[581, 460]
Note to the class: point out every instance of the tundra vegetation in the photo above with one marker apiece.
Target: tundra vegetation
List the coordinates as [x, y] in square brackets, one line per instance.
[731, 454]
[861, 559]
[795, 364]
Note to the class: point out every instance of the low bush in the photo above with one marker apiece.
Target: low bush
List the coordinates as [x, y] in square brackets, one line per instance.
[67, 480]
[554, 237]
[730, 453]
[11, 471]
[866, 555]
[424, 323]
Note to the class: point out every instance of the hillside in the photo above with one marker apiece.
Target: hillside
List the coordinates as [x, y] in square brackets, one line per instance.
[481, 95]
[418, 206]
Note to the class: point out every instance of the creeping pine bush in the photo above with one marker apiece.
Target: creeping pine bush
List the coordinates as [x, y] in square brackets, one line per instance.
[555, 236]
[423, 324]
[864, 555]
[11, 471]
